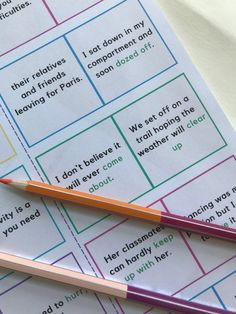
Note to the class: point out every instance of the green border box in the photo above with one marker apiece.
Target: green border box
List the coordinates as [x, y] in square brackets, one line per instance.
[133, 154]
[44, 204]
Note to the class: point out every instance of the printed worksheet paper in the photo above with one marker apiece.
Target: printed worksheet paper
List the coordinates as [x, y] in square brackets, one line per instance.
[100, 96]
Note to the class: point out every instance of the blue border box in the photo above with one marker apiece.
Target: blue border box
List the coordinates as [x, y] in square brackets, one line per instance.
[102, 102]
[213, 288]
[96, 106]
[53, 133]
[158, 33]
[44, 204]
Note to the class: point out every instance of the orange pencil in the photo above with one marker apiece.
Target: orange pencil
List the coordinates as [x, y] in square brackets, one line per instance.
[118, 207]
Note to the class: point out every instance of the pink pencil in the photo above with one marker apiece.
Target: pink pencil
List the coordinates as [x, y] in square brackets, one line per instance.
[116, 289]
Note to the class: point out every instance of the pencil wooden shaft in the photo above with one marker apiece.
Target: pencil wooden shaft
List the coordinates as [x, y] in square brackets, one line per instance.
[62, 275]
[105, 286]
[131, 210]
[78, 197]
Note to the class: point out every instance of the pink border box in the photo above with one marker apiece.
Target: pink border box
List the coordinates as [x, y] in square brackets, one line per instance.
[189, 247]
[55, 21]
[113, 227]
[98, 236]
[165, 196]
[188, 182]
[67, 19]
[193, 179]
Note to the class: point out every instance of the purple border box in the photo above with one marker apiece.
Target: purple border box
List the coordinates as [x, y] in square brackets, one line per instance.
[47, 30]
[193, 179]
[98, 268]
[189, 247]
[69, 18]
[100, 272]
[188, 182]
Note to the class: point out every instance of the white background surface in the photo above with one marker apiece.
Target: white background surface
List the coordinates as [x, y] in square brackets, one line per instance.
[207, 29]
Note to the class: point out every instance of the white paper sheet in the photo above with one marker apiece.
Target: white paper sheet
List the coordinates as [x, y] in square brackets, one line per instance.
[100, 96]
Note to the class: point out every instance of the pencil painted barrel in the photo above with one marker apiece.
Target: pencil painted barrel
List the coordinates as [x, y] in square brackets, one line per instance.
[198, 226]
[171, 303]
[79, 197]
[130, 210]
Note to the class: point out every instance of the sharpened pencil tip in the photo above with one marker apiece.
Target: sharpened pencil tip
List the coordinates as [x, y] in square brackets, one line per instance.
[6, 181]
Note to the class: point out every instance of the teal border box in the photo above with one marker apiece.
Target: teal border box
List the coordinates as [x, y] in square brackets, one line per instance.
[196, 162]
[85, 228]
[44, 204]
[136, 159]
